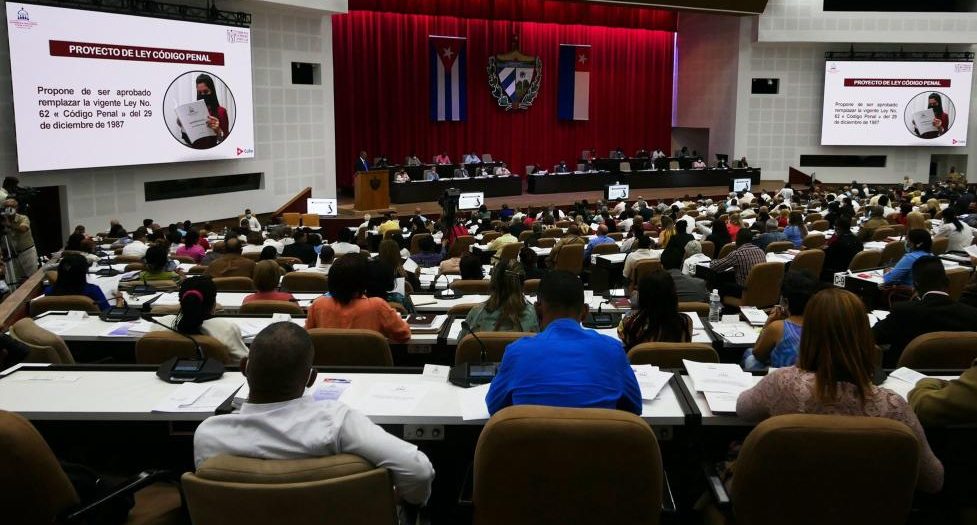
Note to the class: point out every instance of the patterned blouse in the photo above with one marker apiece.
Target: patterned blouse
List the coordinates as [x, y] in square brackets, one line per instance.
[791, 391]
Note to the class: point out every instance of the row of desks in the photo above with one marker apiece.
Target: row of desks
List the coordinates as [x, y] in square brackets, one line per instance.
[597, 180]
[129, 393]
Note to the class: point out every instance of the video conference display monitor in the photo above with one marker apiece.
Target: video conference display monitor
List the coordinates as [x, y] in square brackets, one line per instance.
[471, 201]
[614, 192]
[885, 103]
[95, 89]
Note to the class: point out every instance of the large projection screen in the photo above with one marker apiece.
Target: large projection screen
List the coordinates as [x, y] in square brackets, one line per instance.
[95, 89]
[896, 103]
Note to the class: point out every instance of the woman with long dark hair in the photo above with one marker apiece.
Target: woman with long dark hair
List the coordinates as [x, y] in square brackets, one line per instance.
[959, 233]
[941, 120]
[198, 300]
[657, 318]
[191, 246]
[506, 308]
[73, 280]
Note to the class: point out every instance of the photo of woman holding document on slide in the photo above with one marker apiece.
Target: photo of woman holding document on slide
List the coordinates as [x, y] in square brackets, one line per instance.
[929, 115]
[200, 110]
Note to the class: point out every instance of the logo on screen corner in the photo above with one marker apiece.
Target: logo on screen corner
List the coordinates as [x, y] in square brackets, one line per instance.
[23, 20]
[244, 151]
[959, 142]
[237, 36]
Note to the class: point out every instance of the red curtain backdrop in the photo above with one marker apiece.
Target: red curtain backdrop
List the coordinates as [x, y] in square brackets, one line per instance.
[551, 11]
[382, 97]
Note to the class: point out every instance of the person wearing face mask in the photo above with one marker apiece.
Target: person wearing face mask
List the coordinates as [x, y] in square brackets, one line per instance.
[253, 223]
[941, 120]
[20, 241]
[918, 244]
[217, 119]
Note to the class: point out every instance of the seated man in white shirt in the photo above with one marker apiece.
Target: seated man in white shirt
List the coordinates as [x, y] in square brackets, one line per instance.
[280, 422]
[138, 246]
[345, 243]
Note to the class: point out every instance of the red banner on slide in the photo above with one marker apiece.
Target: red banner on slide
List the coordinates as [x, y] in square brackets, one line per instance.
[60, 48]
[898, 82]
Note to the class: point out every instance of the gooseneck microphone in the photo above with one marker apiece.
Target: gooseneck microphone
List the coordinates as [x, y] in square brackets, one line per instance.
[483, 356]
[150, 319]
[197, 370]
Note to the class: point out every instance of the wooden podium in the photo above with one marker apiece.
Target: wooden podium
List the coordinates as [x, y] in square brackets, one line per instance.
[371, 190]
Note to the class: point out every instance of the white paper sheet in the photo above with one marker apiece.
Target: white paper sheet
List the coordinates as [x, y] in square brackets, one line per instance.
[196, 397]
[393, 398]
[57, 324]
[907, 375]
[437, 373]
[193, 120]
[924, 121]
[721, 401]
[754, 315]
[46, 378]
[472, 403]
[718, 377]
[651, 380]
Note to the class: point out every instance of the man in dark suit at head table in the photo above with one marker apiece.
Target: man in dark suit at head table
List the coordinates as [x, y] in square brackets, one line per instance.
[362, 164]
[931, 311]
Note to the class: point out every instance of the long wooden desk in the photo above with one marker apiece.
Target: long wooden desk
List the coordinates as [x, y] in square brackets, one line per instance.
[429, 191]
[105, 393]
[596, 180]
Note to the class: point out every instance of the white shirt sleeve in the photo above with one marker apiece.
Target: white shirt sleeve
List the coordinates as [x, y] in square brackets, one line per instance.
[227, 333]
[411, 470]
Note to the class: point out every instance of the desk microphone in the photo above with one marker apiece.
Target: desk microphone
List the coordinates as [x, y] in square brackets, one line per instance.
[600, 320]
[483, 356]
[180, 370]
[119, 314]
[143, 289]
[467, 375]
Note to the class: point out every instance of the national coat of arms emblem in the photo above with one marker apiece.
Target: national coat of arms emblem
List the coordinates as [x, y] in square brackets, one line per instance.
[515, 78]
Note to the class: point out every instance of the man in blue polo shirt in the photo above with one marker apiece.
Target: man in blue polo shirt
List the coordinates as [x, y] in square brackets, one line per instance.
[565, 365]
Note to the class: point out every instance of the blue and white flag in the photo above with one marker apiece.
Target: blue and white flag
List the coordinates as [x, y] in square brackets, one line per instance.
[573, 101]
[449, 92]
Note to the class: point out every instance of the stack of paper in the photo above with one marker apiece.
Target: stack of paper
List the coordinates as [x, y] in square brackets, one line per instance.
[651, 380]
[737, 333]
[197, 397]
[754, 315]
[720, 383]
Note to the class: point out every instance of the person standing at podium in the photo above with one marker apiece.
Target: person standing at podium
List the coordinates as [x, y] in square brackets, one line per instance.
[362, 164]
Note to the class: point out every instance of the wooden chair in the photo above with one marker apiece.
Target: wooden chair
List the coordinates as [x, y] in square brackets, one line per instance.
[461, 245]
[813, 241]
[470, 286]
[881, 234]
[461, 310]
[554, 233]
[272, 307]
[548, 242]
[779, 246]
[234, 284]
[617, 236]
[643, 268]
[132, 267]
[892, 252]
[183, 259]
[531, 286]
[865, 466]
[695, 307]
[940, 350]
[292, 219]
[309, 282]
[470, 351]
[811, 261]
[509, 251]
[527, 455]
[36, 490]
[525, 235]
[958, 277]
[762, 286]
[197, 269]
[726, 250]
[310, 220]
[670, 355]
[571, 258]
[415, 242]
[233, 489]
[708, 249]
[604, 249]
[120, 259]
[488, 237]
[865, 260]
[819, 225]
[63, 302]
[45, 346]
[350, 347]
[156, 347]
[940, 245]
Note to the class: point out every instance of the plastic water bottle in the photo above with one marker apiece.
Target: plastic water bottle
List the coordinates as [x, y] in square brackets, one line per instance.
[715, 307]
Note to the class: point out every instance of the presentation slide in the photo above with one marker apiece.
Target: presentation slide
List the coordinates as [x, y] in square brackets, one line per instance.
[471, 201]
[99, 89]
[615, 192]
[896, 103]
[324, 207]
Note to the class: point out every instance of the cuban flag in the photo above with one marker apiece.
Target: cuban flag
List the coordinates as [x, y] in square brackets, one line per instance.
[573, 102]
[449, 93]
